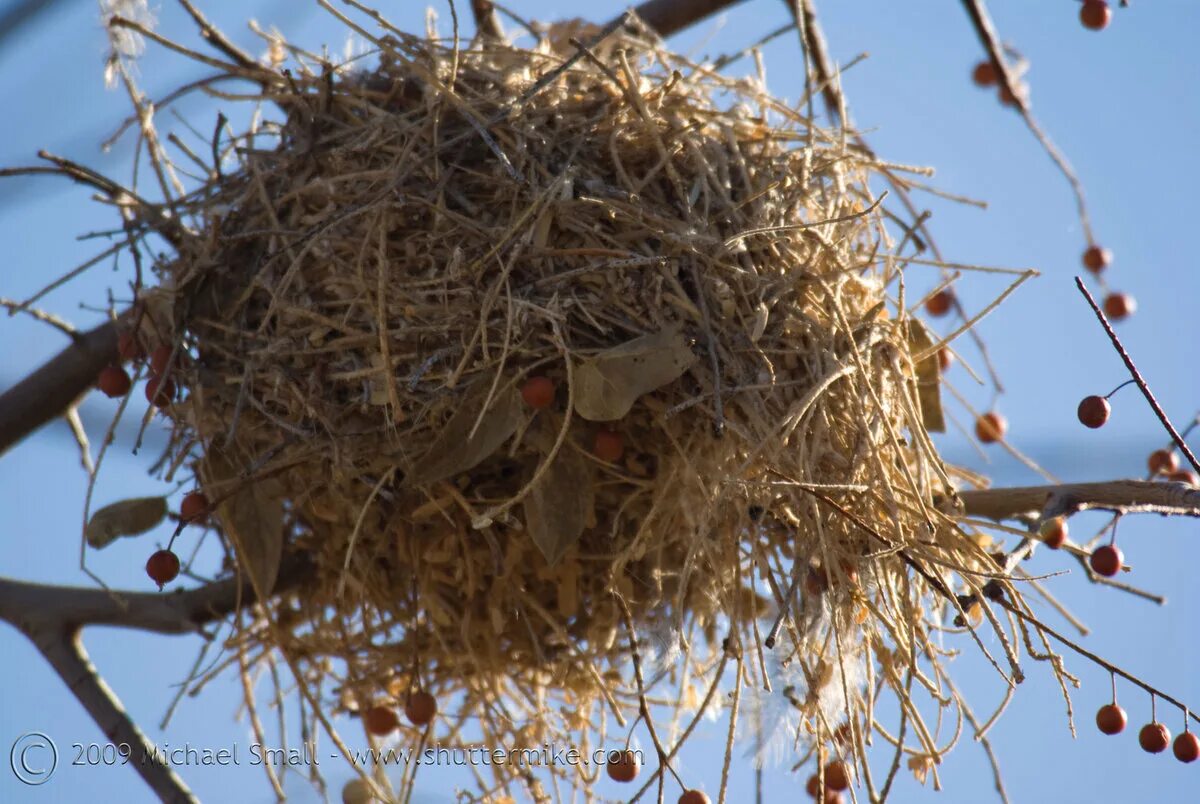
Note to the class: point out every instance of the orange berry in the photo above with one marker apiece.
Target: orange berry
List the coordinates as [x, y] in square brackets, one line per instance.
[1162, 462]
[1054, 532]
[990, 427]
[420, 708]
[1119, 306]
[1096, 259]
[159, 359]
[1095, 15]
[194, 507]
[698, 797]
[815, 581]
[160, 392]
[984, 74]
[622, 766]
[837, 775]
[813, 787]
[608, 445]
[1154, 738]
[1094, 411]
[945, 359]
[1186, 747]
[1107, 560]
[163, 567]
[128, 347]
[380, 721]
[114, 382]
[1185, 476]
[940, 303]
[538, 392]
[1110, 719]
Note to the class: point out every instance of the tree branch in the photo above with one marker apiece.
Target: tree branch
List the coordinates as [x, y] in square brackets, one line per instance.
[486, 21]
[1122, 496]
[666, 17]
[52, 617]
[50, 390]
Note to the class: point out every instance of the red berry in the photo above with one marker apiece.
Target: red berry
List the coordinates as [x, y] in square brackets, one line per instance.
[622, 766]
[815, 581]
[984, 74]
[945, 359]
[1096, 259]
[608, 445]
[694, 797]
[1119, 306]
[1095, 15]
[114, 382]
[1054, 532]
[1186, 747]
[1185, 476]
[159, 359]
[538, 392]
[940, 303]
[990, 427]
[194, 507]
[128, 347]
[160, 393]
[1163, 462]
[813, 788]
[1107, 560]
[1154, 738]
[1009, 99]
[837, 775]
[1093, 411]
[163, 567]
[420, 708]
[380, 721]
[1110, 719]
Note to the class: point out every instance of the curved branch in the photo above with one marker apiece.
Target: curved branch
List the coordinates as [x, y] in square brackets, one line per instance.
[1121, 496]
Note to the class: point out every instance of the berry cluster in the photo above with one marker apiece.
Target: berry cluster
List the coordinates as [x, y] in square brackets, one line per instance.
[1154, 737]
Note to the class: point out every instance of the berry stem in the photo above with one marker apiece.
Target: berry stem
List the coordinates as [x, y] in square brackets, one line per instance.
[1137, 376]
[1118, 388]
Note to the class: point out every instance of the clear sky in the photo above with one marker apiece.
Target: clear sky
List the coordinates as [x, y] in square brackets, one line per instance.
[1123, 106]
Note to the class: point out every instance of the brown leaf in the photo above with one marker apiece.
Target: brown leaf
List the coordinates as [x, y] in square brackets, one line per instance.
[607, 385]
[928, 382]
[559, 507]
[125, 518]
[251, 518]
[456, 449]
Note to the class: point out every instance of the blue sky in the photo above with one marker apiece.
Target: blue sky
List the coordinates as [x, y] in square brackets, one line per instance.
[1122, 105]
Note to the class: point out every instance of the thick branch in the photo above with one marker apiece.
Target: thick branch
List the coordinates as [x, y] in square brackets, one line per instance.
[1124, 496]
[53, 617]
[666, 17]
[486, 21]
[48, 392]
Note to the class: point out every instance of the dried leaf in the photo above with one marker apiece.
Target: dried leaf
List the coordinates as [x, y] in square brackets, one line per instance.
[607, 385]
[558, 508]
[928, 382]
[456, 449]
[251, 518]
[125, 518]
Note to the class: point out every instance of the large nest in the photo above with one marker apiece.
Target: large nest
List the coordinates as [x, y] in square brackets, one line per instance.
[373, 299]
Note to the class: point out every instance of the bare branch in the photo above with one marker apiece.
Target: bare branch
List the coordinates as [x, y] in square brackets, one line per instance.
[666, 17]
[1123, 496]
[50, 390]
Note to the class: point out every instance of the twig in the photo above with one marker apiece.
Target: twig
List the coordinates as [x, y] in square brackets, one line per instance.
[1137, 376]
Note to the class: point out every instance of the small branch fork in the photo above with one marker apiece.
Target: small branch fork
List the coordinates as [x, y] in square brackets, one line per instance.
[53, 618]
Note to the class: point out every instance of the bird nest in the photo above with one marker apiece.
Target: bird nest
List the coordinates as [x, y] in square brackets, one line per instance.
[545, 358]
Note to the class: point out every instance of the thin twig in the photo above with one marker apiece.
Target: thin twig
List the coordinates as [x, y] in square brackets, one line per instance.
[1137, 376]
